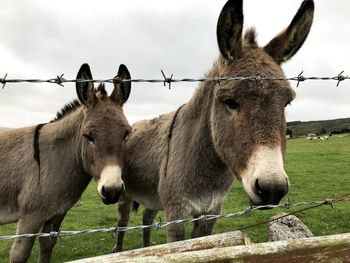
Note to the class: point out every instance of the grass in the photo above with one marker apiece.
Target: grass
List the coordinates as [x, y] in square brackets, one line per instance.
[317, 170]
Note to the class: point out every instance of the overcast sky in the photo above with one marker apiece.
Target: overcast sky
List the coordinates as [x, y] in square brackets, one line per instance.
[43, 39]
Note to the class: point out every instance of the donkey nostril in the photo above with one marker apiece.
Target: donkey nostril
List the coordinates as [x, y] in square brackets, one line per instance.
[258, 188]
[103, 192]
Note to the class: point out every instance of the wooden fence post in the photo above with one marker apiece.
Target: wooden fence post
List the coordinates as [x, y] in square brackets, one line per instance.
[333, 248]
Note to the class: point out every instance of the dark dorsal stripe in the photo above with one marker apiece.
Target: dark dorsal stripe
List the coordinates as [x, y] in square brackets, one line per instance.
[36, 145]
[170, 135]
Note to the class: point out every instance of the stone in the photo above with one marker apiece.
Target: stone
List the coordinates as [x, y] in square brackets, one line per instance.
[287, 227]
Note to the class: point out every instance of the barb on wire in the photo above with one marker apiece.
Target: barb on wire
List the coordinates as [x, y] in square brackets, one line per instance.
[3, 81]
[158, 225]
[329, 202]
[59, 80]
[340, 77]
[300, 78]
[168, 80]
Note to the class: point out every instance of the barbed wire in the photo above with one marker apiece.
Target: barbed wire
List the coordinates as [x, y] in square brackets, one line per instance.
[59, 79]
[158, 225]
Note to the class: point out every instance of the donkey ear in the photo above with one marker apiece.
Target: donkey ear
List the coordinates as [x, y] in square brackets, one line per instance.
[229, 29]
[121, 90]
[288, 42]
[85, 90]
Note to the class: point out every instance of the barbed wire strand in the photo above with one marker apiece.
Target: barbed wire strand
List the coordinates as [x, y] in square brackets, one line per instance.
[158, 225]
[329, 202]
[59, 80]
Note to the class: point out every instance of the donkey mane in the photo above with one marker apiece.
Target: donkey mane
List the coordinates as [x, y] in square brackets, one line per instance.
[250, 37]
[75, 104]
[68, 108]
[101, 89]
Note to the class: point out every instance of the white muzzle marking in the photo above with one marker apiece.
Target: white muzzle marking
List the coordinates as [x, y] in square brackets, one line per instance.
[111, 178]
[266, 163]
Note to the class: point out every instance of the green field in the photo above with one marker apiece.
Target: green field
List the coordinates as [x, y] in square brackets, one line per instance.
[317, 170]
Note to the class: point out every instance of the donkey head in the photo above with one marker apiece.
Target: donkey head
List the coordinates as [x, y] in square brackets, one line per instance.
[248, 120]
[104, 131]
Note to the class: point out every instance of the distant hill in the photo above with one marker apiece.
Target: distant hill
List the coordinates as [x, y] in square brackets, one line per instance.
[301, 128]
[337, 126]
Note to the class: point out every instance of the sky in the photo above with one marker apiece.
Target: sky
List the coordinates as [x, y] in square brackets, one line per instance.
[43, 39]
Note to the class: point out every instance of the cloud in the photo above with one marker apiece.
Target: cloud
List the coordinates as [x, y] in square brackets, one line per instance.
[45, 39]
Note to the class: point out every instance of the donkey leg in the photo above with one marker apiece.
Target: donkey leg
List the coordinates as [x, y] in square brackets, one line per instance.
[47, 243]
[195, 228]
[147, 219]
[175, 232]
[22, 247]
[123, 207]
[204, 227]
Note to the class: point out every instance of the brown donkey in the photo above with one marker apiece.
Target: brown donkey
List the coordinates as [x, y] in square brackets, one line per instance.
[184, 162]
[44, 169]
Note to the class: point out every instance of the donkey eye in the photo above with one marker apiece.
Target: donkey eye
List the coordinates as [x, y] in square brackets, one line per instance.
[232, 104]
[89, 138]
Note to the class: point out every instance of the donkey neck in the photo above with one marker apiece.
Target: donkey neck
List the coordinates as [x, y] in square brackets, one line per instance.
[61, 139]
[67, 128]
[201, 102]
[197, 113]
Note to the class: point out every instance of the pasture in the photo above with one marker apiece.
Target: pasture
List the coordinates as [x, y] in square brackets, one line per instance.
[317, 170]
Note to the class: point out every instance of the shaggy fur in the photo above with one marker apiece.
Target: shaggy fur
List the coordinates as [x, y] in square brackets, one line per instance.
[67, 109]
[220, 133]
[75, 104]
[44, 169]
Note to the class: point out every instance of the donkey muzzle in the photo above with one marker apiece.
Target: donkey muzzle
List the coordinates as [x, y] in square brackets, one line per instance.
[110, 186]
[270, 190]
[264, 179]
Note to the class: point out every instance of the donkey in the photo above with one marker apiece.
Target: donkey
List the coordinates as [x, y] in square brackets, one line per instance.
[184, 162]
[86, 140]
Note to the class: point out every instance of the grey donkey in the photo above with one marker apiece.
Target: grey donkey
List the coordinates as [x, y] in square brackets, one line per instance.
[184, 162]
[45, 168]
